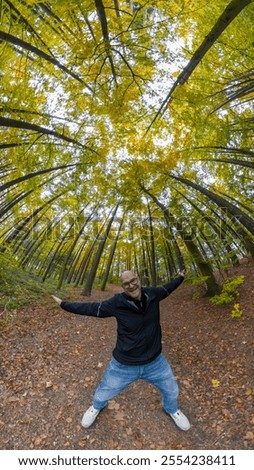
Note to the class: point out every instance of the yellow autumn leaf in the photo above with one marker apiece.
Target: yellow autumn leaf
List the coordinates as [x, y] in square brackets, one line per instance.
[215, 383]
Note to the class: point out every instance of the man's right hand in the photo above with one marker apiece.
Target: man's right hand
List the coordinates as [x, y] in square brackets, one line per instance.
[183, 272]
[56, 299]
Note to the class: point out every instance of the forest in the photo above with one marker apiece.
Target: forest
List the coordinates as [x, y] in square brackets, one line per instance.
[126, 139]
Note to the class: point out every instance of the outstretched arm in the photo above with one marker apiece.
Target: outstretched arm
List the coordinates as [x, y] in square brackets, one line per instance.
[168, 288]
[94, 309]
[57, 300]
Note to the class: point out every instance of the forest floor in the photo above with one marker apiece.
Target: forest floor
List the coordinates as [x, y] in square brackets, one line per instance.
[51, 362]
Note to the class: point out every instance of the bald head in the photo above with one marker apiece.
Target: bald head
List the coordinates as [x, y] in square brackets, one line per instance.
[125, 274]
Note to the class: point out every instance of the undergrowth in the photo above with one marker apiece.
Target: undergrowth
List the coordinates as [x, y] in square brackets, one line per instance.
[236, 311]
[18, 288]
[228, 294]
[229, 291]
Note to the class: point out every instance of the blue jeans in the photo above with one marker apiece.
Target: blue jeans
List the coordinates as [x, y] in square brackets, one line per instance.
[118, 376]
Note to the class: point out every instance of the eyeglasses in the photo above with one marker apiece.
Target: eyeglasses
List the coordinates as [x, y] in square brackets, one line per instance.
[127, 284]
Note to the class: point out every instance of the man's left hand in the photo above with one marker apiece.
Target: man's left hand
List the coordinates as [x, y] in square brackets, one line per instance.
[56, 299]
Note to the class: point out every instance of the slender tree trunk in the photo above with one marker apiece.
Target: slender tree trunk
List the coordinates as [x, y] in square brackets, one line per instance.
[241, 204]
[69, 254]
[28, 176]
[226, 229]
[33, 246]
[175, 251]
[18, 124]
[71, 273]
[53, 259]
[91, 277]
[81, 274]
[111, 256]
[204, 267]
[217, 230]
[231, 161]
[171, 267]
[225, 205]
[22, 195]
[144, 272]
[5, 208]
[28, 235]
[20, 227]
[49, 58]
[152, 246]
[228, 15]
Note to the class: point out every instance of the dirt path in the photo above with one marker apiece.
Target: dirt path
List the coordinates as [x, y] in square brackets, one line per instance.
[51, 362]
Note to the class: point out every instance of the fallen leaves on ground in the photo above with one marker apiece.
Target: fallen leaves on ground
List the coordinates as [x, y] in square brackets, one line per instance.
[51, 362]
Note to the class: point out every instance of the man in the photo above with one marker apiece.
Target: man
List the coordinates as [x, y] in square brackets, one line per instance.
[137, 354]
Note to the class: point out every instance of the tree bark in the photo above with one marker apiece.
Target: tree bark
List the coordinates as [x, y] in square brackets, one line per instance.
[70, 251]
[217, 230]
[204, 267]
[111, 256]
[29, 47]
[225, 205]
[8, 122]
[229, 14]
[152, 254]
[33, 175]
[91, 277]
[20, 227]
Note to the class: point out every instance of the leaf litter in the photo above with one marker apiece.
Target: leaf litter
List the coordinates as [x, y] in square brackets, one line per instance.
[51, 362]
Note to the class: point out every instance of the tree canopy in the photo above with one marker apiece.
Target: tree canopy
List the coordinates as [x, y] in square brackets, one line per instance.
[126, 135]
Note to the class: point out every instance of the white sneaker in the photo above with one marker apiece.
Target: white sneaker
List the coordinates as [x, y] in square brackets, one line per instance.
[180, 420]
[89, 417]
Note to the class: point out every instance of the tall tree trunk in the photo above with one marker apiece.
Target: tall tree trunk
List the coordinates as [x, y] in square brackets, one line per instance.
[71, 273]
[20, 227]
[91, 277]
[241, 204]
[17, 198]
[171, 267]
[28, 176]
[26, 236]
[217, 230]
[33, 246]
[69, 254]
[144, 272]
[176, 255]
[111, 256]
[53, 258]
[81, 274]
[231, 161]
[225, 205]
[237, 236]
[49, 58]
[18, 124]
[152, 247]
[204, 267]
[228, 15]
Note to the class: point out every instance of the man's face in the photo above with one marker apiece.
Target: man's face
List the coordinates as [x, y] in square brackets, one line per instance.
[131, 284]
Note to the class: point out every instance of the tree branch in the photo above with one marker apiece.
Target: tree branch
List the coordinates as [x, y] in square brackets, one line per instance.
[231, 11]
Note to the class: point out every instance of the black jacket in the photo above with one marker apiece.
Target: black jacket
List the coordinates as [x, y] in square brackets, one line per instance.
[138, 328]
